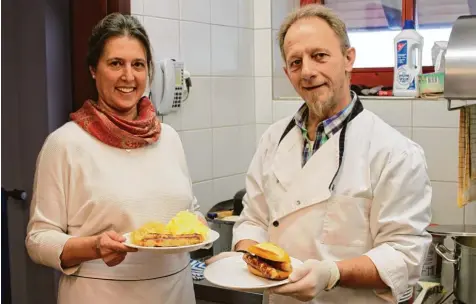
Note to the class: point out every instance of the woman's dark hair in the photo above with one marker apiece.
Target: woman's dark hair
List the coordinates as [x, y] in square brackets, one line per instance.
[118, 25]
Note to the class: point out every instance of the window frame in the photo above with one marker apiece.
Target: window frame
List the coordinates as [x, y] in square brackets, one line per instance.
[372, 77]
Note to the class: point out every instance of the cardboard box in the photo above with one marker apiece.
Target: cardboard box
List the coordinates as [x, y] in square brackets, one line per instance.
[431, 83]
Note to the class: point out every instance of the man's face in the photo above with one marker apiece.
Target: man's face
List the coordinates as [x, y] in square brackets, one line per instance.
[316, 66]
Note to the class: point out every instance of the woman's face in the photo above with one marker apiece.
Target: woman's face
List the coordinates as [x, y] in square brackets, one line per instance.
[121, 75]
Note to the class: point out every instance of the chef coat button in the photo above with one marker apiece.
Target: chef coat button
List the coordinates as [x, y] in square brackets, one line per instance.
[298, 203]
[275, 223]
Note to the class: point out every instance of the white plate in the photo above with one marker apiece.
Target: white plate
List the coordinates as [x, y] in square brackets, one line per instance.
[233, 273]
[212, 237]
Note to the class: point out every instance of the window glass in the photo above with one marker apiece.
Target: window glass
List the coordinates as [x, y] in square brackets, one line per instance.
[367, 15]
[435, 18]
[372, 25]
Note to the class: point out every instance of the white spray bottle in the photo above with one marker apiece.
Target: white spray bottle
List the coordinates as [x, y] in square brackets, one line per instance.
[408, 61]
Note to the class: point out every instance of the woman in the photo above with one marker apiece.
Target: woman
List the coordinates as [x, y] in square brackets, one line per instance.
[111, 169]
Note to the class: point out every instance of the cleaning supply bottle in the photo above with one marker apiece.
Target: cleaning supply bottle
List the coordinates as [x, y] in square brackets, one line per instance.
[408, 61]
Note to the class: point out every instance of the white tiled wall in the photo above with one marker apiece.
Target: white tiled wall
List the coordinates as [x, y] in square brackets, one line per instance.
[279, 10]
[263, 66]
[217, 124]
[435, 128]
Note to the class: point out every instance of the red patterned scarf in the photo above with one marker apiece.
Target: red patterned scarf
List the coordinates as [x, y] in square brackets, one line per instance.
[118, 132]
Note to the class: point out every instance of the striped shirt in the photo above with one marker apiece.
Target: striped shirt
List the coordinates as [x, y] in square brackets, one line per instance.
[324, 130]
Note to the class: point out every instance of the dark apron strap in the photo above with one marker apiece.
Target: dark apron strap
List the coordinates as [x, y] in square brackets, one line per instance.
[289, 127]
[356, 110]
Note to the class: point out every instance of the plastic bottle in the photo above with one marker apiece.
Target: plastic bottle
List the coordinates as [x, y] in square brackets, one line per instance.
[408, 46]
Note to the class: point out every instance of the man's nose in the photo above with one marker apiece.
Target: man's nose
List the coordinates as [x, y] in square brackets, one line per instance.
[309, 69]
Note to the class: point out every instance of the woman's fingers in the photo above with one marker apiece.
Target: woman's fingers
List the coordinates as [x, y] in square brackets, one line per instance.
[112, 241]
[115, 236]
[114, 259]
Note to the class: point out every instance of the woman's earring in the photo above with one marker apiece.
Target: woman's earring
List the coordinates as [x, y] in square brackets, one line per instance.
[94, 76]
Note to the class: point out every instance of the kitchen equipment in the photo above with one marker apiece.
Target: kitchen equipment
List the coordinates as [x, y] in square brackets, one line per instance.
[208, 293]
[170, 86]
[447, 274]
[222, 217]
[463, 258]
[431, 271]
[460, 63]
[428, 289]
[220, 214]
[238, 202]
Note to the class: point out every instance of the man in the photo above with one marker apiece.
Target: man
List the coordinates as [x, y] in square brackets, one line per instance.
[334, 185]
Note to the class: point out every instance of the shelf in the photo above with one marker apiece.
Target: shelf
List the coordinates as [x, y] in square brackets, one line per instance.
[458, 104]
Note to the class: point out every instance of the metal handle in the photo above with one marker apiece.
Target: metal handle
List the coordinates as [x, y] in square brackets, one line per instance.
[16, 194]
[438, 250]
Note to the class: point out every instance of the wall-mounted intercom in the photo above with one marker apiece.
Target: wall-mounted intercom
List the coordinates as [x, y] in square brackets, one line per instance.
[170, 86]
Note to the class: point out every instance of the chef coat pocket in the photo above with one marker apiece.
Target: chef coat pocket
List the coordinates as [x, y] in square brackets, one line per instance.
[347, 221]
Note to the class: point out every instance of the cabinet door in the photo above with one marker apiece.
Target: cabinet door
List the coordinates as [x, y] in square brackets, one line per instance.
[84, 15]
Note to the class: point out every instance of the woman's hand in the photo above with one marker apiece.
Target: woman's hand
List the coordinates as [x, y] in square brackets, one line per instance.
[110, 249]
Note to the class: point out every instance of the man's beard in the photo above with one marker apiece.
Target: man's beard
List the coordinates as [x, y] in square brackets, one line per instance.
[321, 109]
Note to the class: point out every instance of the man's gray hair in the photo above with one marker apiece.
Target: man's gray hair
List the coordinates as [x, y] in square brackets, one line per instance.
[319, 11]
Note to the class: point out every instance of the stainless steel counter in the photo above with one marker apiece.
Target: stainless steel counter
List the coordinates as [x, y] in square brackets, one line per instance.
[207, 293]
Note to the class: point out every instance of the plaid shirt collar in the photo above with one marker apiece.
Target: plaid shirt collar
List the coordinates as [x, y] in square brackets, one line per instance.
[329, 126]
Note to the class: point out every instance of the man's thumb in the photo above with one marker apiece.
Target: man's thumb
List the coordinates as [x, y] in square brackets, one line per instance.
[300, 272]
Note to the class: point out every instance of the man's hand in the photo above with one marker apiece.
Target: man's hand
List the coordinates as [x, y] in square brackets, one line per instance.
[241, 245]
[110, 249]
[221, 256]
[309, 279]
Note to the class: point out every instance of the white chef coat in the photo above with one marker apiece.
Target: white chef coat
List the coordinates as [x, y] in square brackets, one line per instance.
[379, 205]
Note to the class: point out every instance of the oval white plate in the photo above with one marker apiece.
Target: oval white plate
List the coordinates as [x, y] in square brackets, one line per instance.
[233, 273]
[212, 237]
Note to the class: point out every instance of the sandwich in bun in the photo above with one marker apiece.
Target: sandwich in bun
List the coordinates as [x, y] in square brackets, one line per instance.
[269, 261]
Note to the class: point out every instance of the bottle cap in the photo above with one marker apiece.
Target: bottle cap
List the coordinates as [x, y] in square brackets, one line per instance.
[409, 25]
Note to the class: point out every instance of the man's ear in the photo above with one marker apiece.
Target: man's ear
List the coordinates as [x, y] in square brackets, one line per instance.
[285, 70]
[93, 72]
[349, 59]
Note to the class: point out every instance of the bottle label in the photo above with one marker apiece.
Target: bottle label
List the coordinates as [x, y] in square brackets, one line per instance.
[412, 85]
[402, 56]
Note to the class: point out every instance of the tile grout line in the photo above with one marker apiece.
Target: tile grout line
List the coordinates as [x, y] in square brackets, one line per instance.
[220, 177]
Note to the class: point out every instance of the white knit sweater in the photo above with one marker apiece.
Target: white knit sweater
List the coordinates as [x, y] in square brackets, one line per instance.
[84, 187]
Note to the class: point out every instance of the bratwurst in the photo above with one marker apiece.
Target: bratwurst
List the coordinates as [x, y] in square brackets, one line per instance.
[268, 261]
